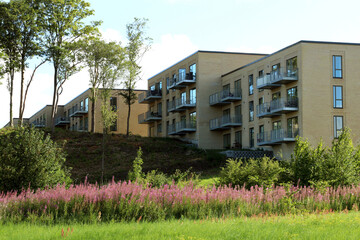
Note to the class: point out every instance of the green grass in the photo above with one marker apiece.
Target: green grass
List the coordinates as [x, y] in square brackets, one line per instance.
[327, 226]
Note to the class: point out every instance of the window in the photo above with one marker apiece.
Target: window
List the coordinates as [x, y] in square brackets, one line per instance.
[167, 85]
[261, 74]
[337, 66]
[251, 111]
[338, 96]
[193, 96]
[159, 128]
[275, 73]
[338, 126]
[226, 140]
[82, 106]
[237, 85]
[251, 84]
[238, 114]
[183, 98]
[159, 109]
[276, 125]
[291, 67]
[113, 103]
[291, 97]
[152, 88]
[238, 140]
[192, 70]
[113, 127]
[86, 104]
[261, 137]
[81, 124]
[167, 107]
[251, 137]
[261, 100]
[226, 116]
[276, 96]
[86, 124]
[292, 127]
[182, 74]
[167, 127]
[226, 91]
[193, 119]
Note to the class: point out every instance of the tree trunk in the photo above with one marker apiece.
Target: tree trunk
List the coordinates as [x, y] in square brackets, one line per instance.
[12, 73]
[21, 93]
[53, 109]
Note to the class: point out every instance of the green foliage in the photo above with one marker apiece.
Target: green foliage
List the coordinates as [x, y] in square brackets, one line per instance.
[136, 174]
[336, 166]
[262, 172]
[28, 158]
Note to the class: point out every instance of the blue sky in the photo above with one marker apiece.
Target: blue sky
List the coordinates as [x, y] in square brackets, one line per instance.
[181, 27]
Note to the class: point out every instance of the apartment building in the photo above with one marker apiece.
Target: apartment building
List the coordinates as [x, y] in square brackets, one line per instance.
[178, 96]
[309, 89]
[76, 115]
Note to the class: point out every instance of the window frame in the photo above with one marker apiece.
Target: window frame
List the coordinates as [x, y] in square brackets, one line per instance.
[251, 111]
[251, 84]
[336, 129]
[334, 66]
[335, 99]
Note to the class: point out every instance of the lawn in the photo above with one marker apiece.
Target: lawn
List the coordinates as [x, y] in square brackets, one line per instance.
[308, 226]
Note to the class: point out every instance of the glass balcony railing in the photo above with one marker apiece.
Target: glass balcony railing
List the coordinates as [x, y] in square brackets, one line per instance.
[225, 122]
[39, 124]
[276, 78]
[149, 117]
[182, 127]
[78, 111]
[277, 107]
[149, 96]
[60, 121]
[277, 136]
[225, 97]
[182, 80]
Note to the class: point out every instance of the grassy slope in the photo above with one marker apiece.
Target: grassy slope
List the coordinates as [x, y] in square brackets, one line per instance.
[330, 226]
[84, 155]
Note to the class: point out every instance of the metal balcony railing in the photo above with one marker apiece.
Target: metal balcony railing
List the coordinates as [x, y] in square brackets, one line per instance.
[149, 96]
[149, 116]
[277, 107]
[277, 136]
[181, 80]
[39, 124]
[276, 78]
[62, 121]
[182, 103]
[225, 122]
[78, 111]
[182, 127]
[225, 97]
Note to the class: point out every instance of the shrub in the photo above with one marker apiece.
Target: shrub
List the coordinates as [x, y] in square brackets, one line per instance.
[28, 157]
[262, 172]
[136, 174]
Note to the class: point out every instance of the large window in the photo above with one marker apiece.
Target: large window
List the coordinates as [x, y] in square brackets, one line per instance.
[113, 103]
[193, 119]
[86, 104]
[251, 84]
[226, 90]
[291, 97]
[193, 96]
[113, 127]
[337, 66]
[167, 85]
[237, 88]
[182, 74]
[183, 97]
[251, 111]
[291, 66]
[159, 108]
[338, 96]
[292, 127]
[192, 70]
[276, 96]
[238, 140]
[226, 140]
[251, 137]
[276, 125]
[261, 74]
[275, 71]
[238, 113]
[159, 128]
[226, 115]
[338, 126]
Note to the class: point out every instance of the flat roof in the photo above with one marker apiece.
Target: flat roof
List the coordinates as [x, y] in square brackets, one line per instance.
[301, 41]
[205, 51]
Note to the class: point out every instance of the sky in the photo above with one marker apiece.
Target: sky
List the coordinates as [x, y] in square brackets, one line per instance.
[181, 27]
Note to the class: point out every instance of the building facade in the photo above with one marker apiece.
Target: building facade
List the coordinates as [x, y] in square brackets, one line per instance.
[76, 115]
[308, 89]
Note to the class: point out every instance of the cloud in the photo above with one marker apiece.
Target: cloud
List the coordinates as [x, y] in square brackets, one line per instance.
[112, 35]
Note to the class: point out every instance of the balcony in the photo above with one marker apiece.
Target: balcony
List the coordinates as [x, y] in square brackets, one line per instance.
[62, 121]
[276, 137]
[225, 122]
[224, 97]
[150, 96]
[277, 107]
[182, 81]
[171, 106]
[276, 78]
[38, 124]
[149, 117]
[78, 111]
[181, 128]
[180, 105]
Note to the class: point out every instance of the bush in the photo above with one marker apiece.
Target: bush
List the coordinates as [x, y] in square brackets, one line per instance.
[136, 174]
[262, 172]
[338, 165]
[29, 158]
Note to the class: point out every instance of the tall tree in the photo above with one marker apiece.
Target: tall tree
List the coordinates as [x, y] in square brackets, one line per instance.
[62, 23]
[138, 45]
[105, 64]
[9, 36]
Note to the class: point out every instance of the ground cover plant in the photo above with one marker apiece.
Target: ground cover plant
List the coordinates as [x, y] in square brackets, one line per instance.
[307, 226]
[127, 201]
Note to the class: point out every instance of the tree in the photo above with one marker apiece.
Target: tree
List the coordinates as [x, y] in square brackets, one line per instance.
[138, 45]
[104, 63]
[9, 36]
[62, 23]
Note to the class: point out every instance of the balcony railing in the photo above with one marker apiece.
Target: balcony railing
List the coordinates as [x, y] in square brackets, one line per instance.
[38, 124]
[224, 97]
[62, 121]
[182, 127]
[182, 80]
[150, 96]
[276, 78]
[277, 107]
[149, 117]
[78, 111]
[171, 106]
[225, 122]
[277, 136]
[182, 104]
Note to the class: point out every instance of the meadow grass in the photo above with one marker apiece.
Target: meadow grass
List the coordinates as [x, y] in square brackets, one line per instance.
[308, 226]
